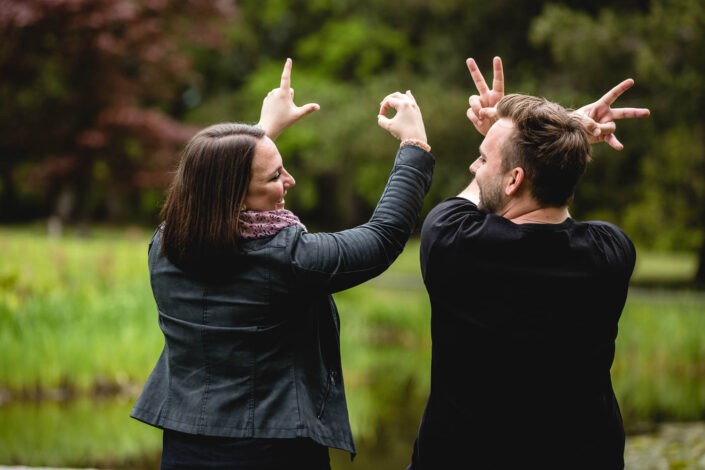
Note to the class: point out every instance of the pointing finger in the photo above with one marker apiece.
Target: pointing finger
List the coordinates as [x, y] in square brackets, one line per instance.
[628, 113]
[477, 77]
[394, 100]
[612, 95]
[498, 79]
[286, 76]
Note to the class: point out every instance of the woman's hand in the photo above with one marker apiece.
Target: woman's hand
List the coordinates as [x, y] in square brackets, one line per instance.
[482, 112]
[598, 117]
[278, 108]
[407, 123]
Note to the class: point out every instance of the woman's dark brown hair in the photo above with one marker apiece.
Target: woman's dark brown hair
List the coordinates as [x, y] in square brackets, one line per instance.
[203, 203]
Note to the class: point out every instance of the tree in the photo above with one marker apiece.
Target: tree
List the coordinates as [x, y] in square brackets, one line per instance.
[662, 47]
[88, 93]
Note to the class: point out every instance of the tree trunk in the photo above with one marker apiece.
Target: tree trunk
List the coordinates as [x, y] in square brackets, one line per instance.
[9, 201]
[700, 273]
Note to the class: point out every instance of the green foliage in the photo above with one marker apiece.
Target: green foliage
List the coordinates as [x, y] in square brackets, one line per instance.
[78, 434]
[89, 80]
[566, 32]
[658, 368]
[672, 168]
[348, 55]
[385, 349]
[660, 191]
[659, 268]
[77, 318]
[75, 312]
[354, 48]
[78, 312]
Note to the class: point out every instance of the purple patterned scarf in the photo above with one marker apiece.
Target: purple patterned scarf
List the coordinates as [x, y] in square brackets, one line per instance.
[262, 224]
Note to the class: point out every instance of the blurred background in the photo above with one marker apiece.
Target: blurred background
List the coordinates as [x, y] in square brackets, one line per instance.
[97, 97]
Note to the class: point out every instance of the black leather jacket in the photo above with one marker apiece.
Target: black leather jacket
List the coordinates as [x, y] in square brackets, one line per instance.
[259, 355]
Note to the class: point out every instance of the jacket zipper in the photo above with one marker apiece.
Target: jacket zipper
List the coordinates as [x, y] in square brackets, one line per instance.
[329, 383]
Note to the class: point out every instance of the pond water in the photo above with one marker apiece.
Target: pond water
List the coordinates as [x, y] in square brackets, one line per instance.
[99, 434]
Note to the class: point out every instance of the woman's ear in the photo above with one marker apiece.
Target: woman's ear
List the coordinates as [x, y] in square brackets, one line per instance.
[516, 178]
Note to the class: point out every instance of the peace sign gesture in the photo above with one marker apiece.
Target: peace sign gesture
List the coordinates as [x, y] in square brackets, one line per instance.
[278, 108]
[482, 112]
[598, 117]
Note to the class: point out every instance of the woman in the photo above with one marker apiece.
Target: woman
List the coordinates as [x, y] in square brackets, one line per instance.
[250, 375]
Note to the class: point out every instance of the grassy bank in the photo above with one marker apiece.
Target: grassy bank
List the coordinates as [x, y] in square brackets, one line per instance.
[76, 315]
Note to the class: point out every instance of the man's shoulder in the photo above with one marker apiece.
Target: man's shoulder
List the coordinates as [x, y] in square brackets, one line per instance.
[604, 228]
[450, 221]
[607, 234]
[454, 206]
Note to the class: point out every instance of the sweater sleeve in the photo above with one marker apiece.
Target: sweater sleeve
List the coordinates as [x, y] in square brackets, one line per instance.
[336, 261]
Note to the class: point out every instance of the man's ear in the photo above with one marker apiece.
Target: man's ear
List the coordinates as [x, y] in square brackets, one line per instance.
[516, 178]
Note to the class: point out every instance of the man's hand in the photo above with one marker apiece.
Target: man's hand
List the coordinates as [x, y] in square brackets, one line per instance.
[598, 117]
[278, 108]
[482, 112]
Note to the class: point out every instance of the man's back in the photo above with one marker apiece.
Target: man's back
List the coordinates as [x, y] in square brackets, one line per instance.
[524, 318]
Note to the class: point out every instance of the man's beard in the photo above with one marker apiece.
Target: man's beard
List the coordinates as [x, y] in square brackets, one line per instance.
[492, 198]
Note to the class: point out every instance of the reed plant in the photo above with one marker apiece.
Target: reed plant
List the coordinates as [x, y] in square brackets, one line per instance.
[659, 368]
[77, 314]
[79, 433]
[78, 322]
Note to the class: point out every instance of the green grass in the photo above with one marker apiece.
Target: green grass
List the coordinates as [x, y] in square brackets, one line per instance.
[665, 268]
[78, 313]
[75, 312]
[77, 434]
[659, 368]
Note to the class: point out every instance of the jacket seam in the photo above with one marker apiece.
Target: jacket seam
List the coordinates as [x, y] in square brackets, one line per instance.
[206, 362]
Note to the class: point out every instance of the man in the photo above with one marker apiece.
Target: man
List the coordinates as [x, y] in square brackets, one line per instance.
[525, 300]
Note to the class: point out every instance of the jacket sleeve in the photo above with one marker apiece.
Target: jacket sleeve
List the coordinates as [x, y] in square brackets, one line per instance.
[336, 261]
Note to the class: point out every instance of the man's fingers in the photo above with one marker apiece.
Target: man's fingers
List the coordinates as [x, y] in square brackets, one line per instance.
[473, 118]
[475, 104]
[630, 113]
[498, 79]
[612, 95]
[607, 128]
[286, 76]
[477, 77]
[488, 113]
[613, 142]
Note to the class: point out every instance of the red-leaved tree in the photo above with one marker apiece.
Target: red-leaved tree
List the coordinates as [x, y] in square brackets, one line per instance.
[89, 90]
